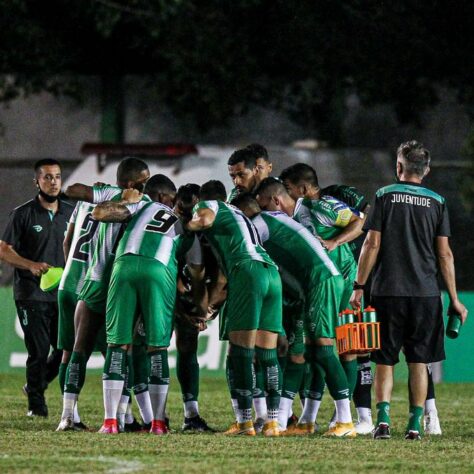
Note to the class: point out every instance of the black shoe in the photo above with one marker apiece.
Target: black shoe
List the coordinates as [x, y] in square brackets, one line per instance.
[196, 423]
[382, 431]
[292, 421]
[39, 411]
[80, 426]
[413, 435]
[134, 426]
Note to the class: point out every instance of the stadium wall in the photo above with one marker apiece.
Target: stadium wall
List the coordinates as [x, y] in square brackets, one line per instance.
[457, 367]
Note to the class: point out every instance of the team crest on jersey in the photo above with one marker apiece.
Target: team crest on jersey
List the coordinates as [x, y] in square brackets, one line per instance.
[38, 228]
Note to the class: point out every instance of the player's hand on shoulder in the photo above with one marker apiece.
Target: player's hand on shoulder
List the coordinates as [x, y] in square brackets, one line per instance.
[38, 268]
[99, 184]
[132, 196]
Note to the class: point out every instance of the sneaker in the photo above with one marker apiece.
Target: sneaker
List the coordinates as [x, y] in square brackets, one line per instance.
[133, 427]
[431, 423]
[258, 425]
[301, 429]
[243, 429]
[109, 426]
[158, 427]
[80, 426]
[413, 435]
[66, 424]
[292, 421]
[271, 429]
[342, 430]
[38, 411]
[364, 427]
[382, 431]
[196, 423]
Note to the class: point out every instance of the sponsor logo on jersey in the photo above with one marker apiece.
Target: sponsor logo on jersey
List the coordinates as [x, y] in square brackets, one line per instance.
[38, 228]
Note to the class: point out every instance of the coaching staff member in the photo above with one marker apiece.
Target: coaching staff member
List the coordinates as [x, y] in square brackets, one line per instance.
[407, 244]
[32, 242]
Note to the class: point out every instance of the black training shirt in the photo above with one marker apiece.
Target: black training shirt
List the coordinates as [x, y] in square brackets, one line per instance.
[37, 236]
[409, 217]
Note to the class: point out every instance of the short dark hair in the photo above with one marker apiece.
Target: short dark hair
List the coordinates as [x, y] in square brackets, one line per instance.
[46, 162]
[417, 158]
[159, 184]
[298, 173]
[244, 155]
[186, 197]
[130, 169]
[213, 190]
[258, 150]
[270, 186]
[244, 200]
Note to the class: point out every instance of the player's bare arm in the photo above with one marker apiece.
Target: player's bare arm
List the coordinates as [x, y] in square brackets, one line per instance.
[68, 239]
[202, 219]
[368, 257]
[81, 192]
[446, 266]
[350, 232]
[111, 211]
[9, 255]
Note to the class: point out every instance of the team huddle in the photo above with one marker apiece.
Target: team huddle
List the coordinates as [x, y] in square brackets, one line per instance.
[273, 260]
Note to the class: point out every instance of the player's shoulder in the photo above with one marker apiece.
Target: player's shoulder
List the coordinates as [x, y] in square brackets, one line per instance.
[66, 207]
[409, 188]
[24, 208]
[332, 203]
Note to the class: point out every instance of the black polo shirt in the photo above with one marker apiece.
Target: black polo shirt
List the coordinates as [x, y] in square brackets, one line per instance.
[409, 217]
[38, 235]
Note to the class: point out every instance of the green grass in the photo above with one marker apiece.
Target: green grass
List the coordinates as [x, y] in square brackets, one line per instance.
[29, 445]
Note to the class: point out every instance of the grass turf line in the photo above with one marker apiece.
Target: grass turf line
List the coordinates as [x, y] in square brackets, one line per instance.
[28, 445]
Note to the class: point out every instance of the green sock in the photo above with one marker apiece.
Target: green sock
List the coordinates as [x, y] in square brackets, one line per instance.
[141, 369]
[350, 369]
[414, 419]
[292, 379]
[62, 376]
[383, 413]
[230, 377]
[115, 365]
[187, 371]
[306, 382]
[75, 373]
[129, 376]
[268, 360]
[336, 379]
[317, 383]
[282, 362]
[159, 368]
[259, 383]
[242, 364]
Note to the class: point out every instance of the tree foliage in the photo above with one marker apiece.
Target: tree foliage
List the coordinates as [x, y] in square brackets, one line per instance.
[210, 59]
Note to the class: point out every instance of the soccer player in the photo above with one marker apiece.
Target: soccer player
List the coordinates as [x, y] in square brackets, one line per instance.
[79, 245]
[336, 225]
[253, 305]
[132, 173]
[151, 244]
[319, 318]
[247, 168]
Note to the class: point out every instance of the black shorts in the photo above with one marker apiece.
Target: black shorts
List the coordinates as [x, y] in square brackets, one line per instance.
[416, 323]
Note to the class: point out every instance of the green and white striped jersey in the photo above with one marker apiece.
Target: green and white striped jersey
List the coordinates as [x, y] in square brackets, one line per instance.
[155, 232]
[82, 247]
[232, 237]
[108, 235]
[298, 254]
[234, 192]
[326, 217]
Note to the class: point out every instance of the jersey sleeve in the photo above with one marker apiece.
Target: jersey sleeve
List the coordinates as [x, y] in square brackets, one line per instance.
[14, 229]
[212, 205]
[136, 206]
[104, 193]
[444, 228]
[331, 212]
[374, 219]
[194, 254]
[72, 219]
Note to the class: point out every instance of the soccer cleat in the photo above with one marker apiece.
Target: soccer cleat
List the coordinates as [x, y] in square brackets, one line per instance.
[413, 435]
[364, 427]
[158, 427]
[258, 425]
[342, 430]
[109, 426]
[66, 424]
[382, 431]
[332, 423]
[431, 423]
[243, 429]
[271, 429]
[196, 423]
[38, 411]
[300, 429]
[292, 421]
[133, 427]
[80, 426]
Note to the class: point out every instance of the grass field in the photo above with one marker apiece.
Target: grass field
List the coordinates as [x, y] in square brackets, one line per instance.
[29, 445]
